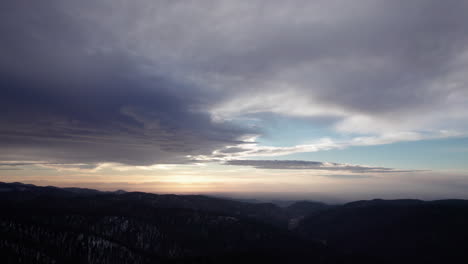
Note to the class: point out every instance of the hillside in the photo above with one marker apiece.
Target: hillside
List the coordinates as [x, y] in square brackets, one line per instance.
[72, 225]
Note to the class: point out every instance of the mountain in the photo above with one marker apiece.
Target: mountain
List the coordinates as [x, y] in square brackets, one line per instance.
[73, 225]
[21, 191]
[394, 231]
[303, 208]
[53, 225]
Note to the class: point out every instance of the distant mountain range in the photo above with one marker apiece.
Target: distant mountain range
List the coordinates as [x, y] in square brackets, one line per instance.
[75, 225]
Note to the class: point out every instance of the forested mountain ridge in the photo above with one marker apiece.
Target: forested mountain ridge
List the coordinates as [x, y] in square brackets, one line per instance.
[73, 225]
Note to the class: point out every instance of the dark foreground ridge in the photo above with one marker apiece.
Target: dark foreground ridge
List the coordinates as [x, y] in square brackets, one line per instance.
[73, 225]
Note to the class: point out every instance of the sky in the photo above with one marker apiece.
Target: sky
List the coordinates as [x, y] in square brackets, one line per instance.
[296, 99]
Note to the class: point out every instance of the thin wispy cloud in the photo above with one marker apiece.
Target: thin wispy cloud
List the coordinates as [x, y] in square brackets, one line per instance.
[253, 149]
[311, 165]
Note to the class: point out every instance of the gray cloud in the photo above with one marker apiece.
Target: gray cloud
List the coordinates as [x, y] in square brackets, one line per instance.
[348, 176]
[311, 165]
[66, 98]
[133, 127]
[138, 82]
[15, 164]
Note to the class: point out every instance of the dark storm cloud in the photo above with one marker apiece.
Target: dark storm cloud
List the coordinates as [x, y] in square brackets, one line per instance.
[117, 120]
[310, 165]
[64, 100]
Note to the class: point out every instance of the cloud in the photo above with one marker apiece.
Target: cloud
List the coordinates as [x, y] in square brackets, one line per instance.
[65, 99]
[347, 176]
[253, 149]
[311, 165]
[116, 120]
[144, 82]
[17, 164]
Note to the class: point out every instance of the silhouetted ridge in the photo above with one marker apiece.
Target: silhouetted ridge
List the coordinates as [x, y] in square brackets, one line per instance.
[394, 231]
[75, 225]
